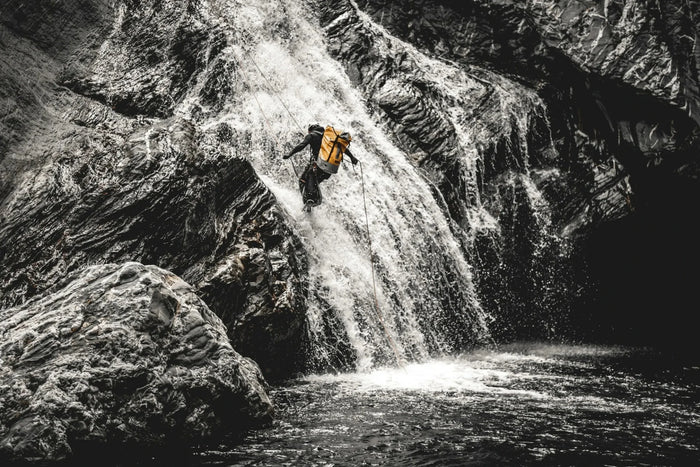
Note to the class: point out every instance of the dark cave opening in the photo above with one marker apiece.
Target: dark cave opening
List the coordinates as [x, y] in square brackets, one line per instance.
[646, 266]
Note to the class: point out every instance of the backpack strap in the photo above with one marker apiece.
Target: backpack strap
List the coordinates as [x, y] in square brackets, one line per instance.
[335, 141]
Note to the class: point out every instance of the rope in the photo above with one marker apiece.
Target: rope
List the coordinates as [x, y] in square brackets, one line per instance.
[269, 126]
[374, 282]
[272, 88]
[364, 201]
[267, 121]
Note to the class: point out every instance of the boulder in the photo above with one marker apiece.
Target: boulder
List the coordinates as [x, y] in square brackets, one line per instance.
[120, 355]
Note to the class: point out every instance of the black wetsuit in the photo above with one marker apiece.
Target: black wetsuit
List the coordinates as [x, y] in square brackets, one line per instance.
[312, 175]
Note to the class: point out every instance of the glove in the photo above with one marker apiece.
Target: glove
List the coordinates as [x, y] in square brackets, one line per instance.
[287, 156]
[354, 160]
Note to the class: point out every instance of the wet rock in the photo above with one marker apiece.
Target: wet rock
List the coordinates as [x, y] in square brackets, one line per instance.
[645, 44]
[542, 125]
[96, 168]
[619, 80]
[618, 83]
[166, 197]
[120, 355]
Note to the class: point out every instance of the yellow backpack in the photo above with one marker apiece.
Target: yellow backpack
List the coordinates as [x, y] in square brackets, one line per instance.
[333, 146]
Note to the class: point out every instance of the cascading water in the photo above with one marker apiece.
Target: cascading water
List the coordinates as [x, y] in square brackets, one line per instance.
[282, 80]
[474, 133]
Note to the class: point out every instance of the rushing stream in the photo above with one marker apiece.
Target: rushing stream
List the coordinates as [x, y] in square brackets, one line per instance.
[523, 404]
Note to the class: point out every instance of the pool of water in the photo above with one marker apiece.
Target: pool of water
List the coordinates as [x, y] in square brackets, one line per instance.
[522, 404]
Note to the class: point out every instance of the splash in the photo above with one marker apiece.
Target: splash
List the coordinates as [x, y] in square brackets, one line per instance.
[454, 376]
[499, 372]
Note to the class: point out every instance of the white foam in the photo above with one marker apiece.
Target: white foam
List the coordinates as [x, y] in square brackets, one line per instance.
[437, 376]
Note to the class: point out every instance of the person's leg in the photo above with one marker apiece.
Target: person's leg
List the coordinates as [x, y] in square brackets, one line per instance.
[311, 188]
[302, 179]
[319, 176]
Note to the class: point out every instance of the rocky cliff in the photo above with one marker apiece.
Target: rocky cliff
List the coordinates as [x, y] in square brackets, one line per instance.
[529, 170]
[572, 125]
[97, 167]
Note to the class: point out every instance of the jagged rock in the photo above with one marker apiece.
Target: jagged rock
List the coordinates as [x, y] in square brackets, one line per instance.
[137, 57]
[545, 126]
[120, 356]
[165, 197]
[536, 127]
[645, 44]
[619, 79]
[99, 169]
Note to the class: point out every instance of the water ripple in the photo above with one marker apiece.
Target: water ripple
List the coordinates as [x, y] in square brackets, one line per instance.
[524, 404]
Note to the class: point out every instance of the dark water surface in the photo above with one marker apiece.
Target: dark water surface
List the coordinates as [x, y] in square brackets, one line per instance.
[524, 404]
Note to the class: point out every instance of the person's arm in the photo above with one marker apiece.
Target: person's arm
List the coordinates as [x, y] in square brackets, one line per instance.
[299, 147]
[353, 159]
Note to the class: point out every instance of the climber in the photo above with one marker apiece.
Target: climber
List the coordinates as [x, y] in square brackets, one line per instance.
[327, 149]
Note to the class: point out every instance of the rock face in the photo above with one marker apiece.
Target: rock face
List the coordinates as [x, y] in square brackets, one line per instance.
[559, 137]
[120, 356]
[97, 167]
[563, 136]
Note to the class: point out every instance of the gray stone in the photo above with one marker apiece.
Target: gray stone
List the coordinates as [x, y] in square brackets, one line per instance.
[120, 355]
[95, 168]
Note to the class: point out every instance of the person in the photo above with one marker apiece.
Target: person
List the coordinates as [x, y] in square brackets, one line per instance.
[313, 175]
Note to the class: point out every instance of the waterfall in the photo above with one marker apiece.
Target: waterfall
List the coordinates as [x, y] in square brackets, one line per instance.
[486, 142]
[282, 80]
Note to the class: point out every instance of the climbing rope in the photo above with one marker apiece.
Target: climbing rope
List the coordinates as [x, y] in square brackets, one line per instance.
[374, 282]
[364, 201]
[262, 112]
[272, 88]
[269, 125]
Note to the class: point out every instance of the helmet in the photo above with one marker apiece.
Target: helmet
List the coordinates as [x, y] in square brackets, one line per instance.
[315, 127]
